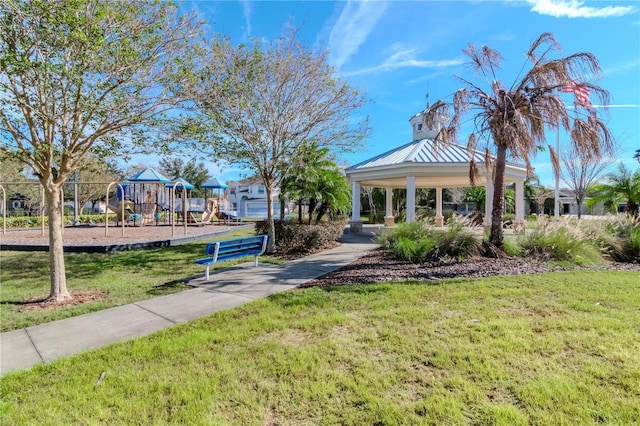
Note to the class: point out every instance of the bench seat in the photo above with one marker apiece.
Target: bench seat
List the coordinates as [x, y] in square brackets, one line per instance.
[233, 248]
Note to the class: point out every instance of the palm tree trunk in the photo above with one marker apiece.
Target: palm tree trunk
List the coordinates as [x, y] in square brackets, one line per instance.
[312, 208]
[497, 237]
[321, 211]
[58, 278]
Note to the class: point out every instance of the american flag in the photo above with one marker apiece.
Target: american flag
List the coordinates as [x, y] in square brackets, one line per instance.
[581, 93]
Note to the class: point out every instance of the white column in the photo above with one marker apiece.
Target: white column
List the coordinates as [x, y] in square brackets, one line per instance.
[488, 201]
[411, 198]
[355, 201]
[519, 200]
[389, 220]
[439, 219]
[519, 223]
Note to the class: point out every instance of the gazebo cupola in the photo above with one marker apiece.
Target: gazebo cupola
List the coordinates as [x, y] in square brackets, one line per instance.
[420, 131]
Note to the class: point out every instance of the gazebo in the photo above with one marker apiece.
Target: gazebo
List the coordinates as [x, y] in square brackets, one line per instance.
[423, 164]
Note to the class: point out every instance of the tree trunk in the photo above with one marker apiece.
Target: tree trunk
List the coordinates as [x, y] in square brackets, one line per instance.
[312, 208]
[324, 207]
[58, 276]
[579, 201]
[300, 211]
[271, 229]
[497, 237]
[282, 207]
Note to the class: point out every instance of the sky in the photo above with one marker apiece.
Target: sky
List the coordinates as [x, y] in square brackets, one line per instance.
[398, 52]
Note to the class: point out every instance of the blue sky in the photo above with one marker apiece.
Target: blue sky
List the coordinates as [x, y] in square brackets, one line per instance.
[397, 51]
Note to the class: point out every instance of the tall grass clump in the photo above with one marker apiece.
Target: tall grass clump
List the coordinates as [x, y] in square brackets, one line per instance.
[561, 241]
[419, 241]
[512, 248]
[619, 239]
[457, 241]
[414, 231]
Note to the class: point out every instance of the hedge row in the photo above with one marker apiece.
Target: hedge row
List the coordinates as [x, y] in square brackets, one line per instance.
[294, 238]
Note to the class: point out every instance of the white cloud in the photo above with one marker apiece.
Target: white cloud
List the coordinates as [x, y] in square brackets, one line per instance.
[246, 12]
[357, 20]
[577, 9]
[404, 58]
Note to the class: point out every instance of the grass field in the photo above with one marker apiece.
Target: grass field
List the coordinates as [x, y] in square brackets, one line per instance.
[125, 277]
[558, 348]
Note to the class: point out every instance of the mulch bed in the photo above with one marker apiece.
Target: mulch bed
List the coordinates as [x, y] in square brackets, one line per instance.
[379, 266]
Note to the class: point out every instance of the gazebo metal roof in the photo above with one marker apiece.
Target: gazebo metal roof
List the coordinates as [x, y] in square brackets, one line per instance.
[432, 165]
[422, 151]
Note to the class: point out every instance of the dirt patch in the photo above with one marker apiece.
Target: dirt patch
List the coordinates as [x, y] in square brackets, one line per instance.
[40, 303]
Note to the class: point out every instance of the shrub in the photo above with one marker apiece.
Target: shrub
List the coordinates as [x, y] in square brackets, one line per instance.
[294, 238]
[512, 248]
[457, 242]
[413, 231]
[563, 241]
[377, 217]
[620, 239]
[448, 215]
[413, 250]
[418, 241]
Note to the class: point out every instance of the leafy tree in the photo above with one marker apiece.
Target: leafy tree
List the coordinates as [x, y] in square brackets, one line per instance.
[332, 191]
[80, 77]
[512, 118]
[269, 100]
[622, 186]
[579, 171]
[194, 173]
[637, 155]
[478, 196]
[304, 177]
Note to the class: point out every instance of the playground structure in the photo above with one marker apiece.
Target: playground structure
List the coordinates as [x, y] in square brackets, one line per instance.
[147, 198]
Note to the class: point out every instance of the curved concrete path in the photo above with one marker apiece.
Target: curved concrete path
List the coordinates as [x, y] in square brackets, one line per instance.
[226, 288]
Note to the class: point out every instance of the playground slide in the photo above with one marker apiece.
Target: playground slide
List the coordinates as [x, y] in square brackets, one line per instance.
[207, 216]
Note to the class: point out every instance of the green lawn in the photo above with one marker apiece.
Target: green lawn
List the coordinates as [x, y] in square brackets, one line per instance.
[558, 348]
[125, 277]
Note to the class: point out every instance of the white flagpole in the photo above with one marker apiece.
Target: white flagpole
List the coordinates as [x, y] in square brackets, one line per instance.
[557, 178]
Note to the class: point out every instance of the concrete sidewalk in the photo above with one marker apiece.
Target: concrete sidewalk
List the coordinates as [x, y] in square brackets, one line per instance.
[226, 288]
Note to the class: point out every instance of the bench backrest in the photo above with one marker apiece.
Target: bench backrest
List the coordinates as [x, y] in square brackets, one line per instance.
[238, 246]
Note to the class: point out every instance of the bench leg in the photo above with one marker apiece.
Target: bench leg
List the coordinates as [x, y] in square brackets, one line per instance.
[206, 273]
[255, 262]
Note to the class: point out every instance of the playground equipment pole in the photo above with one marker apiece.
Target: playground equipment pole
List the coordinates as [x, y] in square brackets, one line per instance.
[4, 210]
[173, 207]
[76, 220]
[106, 209]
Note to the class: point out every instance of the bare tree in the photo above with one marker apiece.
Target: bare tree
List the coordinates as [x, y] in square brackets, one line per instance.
[579, 171]
[367, 191]
[512, 118]
[84, 76]
[270, 101]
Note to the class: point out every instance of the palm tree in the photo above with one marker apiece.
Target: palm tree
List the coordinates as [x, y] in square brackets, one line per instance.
[513, 118]
[623, 186]
[333, 192]
[302, 177]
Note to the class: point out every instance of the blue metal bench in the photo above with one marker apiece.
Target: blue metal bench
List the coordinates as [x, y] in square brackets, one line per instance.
[230, 249]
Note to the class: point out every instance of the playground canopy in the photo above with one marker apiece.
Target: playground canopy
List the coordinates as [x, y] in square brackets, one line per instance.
[148, 176]
[186, 184]
[215, 184]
